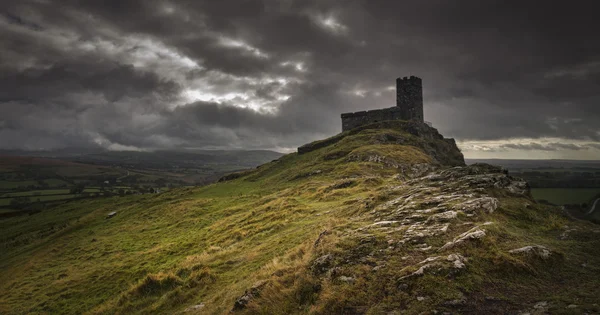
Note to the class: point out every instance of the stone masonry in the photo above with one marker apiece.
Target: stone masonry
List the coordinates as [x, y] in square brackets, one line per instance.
[409, 106]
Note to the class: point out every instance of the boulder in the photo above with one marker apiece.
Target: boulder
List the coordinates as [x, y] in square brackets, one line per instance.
[533, 250]
[472, 234]
[195, 307]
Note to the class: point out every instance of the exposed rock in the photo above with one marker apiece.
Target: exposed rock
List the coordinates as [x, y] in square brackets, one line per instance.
[195, 307]
[429, 259]
[424, 249]
[321, 235]
[420, 230]
[241, 302]
[567, 233]
[541, 305]
[488, 204]
[473, 234]
[421, 271]
[321, 264]
[457, 260]
[533, 250]
[453, 261]
[333, 272]
[455, 303]
[444, 216]
[384, 223]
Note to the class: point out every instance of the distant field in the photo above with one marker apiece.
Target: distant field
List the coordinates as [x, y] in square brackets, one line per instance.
[55, 182]
[5, 184]
[561, 196]
[58, 197]
[6, 201]
[34, 193]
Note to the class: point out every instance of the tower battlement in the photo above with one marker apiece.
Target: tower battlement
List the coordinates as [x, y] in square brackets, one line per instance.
[409, 106]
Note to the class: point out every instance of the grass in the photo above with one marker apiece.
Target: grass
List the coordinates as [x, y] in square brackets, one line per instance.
[162, 253]
[561, 196]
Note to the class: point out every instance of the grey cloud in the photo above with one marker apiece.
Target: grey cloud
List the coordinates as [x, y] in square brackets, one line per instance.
[491, 70]
[530, 146]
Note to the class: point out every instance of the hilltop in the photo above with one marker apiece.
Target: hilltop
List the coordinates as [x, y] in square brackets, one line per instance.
[381, 219]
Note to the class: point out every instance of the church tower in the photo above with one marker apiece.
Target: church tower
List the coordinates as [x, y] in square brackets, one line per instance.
[409, 97]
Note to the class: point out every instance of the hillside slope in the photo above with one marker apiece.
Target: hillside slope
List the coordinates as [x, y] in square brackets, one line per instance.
[383, 219]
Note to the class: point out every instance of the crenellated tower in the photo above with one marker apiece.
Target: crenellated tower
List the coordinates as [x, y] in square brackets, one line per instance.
[409, 97]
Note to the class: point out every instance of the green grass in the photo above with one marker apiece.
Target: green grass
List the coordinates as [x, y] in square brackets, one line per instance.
[164, 252]
[561, 196]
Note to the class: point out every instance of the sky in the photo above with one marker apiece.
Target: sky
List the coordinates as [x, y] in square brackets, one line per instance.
[506, 79]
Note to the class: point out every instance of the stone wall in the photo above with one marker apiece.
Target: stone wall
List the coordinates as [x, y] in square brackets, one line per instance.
[353, 120]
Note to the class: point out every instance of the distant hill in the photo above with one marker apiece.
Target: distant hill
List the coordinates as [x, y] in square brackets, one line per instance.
[381, 219]
[515, 164]
[158, 159]
[188, 166]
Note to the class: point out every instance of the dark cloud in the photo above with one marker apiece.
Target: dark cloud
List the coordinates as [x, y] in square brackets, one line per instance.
[277, 74]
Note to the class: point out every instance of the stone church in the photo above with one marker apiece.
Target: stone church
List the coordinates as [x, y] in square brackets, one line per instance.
[409, 106]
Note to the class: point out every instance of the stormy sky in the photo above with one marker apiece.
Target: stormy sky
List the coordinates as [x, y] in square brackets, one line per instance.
[507, 79]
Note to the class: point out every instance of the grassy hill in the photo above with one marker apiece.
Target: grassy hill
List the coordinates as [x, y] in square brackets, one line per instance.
[383, 219]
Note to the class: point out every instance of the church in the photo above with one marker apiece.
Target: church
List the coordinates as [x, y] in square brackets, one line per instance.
[409, 106]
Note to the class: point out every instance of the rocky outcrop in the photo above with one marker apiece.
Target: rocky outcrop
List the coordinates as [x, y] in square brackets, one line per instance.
[533, 250]
[472, 234]
[439, 263]
[442, 150]
[443, 203]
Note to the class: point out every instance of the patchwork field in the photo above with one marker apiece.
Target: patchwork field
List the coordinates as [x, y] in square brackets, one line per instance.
[561, 196]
